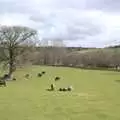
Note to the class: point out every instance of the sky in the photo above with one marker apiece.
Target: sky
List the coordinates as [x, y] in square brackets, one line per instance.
[86, 23]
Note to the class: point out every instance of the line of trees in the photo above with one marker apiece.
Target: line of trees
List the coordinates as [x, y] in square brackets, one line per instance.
[61, 56]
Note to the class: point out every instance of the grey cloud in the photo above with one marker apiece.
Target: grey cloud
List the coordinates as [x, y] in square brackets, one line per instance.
[66, 26]
[104, 5]
[12, 7]
[21, 6]
[112, 5]
[73, 32]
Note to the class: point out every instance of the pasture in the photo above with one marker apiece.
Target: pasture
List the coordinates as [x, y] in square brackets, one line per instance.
[96, 95]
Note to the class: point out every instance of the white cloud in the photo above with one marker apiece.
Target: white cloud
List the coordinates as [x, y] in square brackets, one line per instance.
[80, 23]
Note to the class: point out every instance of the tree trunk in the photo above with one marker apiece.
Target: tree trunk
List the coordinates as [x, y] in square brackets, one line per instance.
[11, 61]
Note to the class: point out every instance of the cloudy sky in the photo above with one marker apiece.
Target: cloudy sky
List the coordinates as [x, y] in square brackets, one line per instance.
[88, 23]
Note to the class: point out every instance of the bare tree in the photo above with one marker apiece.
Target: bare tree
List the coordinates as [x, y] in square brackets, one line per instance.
[11, 38]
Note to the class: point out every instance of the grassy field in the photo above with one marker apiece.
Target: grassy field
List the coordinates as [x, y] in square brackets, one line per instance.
[96, 95]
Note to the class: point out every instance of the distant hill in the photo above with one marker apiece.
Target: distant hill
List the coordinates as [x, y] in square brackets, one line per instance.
[116, 46]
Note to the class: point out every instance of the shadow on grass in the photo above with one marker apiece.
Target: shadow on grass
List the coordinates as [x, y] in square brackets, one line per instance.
[49, 90]
[87, 68]
[118, 81]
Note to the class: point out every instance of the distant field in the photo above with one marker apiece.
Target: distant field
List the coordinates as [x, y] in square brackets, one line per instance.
[96, 95]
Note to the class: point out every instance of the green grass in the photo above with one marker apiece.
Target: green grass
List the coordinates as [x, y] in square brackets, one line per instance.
[96, 95]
